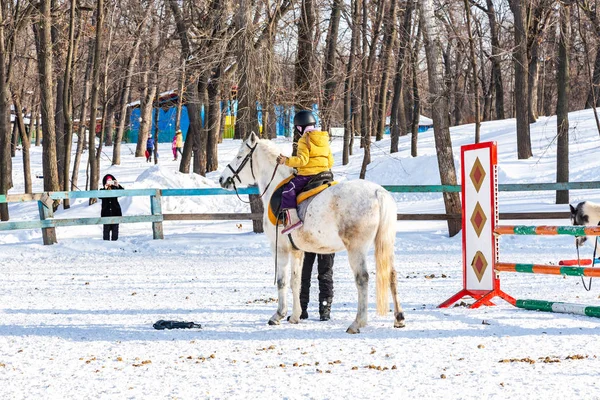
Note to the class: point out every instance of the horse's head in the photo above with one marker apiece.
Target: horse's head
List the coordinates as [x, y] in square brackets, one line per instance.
[579, 216]
[240, 171]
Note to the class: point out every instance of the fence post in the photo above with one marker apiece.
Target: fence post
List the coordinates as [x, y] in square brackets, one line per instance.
[46, 212]
[156, 209]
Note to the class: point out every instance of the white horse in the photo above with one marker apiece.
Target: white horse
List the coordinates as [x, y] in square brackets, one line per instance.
[351, 215]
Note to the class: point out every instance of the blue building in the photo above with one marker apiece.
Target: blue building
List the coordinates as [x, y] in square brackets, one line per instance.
[167, 113]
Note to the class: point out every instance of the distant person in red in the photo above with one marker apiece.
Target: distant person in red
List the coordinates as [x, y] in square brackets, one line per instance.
[149, 149]
[111, 207]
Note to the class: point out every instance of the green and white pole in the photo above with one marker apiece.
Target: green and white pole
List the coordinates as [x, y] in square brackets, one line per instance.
[559, 307]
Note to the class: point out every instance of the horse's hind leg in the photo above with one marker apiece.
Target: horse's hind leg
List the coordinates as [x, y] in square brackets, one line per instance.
[358, 263]
[398, 313]
[296, 259]
[281, 280]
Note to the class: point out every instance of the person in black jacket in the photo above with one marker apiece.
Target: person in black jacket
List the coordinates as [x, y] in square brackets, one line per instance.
[111, 207]
[325, 269]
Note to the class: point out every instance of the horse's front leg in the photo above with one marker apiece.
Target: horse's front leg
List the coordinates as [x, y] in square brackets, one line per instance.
[296, 258]
[282, 259]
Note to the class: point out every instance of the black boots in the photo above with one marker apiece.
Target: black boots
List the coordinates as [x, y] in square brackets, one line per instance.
[325, 310]
[304, 314]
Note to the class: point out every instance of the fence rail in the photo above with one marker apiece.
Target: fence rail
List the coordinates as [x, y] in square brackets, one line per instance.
[48, 223]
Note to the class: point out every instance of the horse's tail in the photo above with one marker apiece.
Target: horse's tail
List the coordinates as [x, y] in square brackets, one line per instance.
[384, 249]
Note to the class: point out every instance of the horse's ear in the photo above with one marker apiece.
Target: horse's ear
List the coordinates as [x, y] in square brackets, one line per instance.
[572, 209]
[252, 139]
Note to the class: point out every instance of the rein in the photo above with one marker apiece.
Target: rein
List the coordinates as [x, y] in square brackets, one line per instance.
[589, 286]
[236, 174]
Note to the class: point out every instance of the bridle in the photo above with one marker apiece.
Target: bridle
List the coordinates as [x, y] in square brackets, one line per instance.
[236, 174]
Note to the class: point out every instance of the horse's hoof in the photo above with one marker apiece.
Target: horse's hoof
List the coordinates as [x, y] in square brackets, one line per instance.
[293, 320]
[399, 324]
[271, 322]
[352, 331]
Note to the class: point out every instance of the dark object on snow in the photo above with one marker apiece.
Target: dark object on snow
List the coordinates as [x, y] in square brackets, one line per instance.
[162, 324]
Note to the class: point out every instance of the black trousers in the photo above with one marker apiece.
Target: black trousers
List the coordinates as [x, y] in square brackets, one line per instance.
[111, 228]
[325, 269]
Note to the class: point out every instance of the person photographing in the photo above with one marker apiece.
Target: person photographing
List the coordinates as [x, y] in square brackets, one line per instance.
[111, 207]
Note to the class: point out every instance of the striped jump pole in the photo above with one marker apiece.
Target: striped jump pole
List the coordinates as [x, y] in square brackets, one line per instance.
[559, 307]
[547, 269]
[547, 230]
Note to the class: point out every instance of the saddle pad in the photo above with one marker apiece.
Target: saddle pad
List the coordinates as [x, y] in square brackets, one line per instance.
[275, 201]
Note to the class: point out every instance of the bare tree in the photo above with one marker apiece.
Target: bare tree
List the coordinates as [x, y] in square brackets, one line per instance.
[93, 164]
[389, 40]
[43, 35]
[398, 123]
[521, 80]
[439, 103]
[562, 103]
[329, 70]
[474, 68]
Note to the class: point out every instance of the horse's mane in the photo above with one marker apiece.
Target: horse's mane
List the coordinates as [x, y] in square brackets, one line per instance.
[269, 147]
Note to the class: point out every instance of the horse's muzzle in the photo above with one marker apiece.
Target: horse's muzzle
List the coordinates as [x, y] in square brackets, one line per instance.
[225, 182]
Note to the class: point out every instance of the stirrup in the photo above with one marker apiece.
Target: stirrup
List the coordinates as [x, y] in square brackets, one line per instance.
[291, 228]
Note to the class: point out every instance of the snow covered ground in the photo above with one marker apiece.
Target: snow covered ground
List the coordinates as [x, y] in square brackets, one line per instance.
[76, 317]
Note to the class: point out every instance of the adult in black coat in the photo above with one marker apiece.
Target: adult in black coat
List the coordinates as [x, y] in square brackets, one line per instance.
[111, 207]
[325, 269]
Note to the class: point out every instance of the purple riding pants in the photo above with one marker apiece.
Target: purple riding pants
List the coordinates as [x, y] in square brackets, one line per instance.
[292, 189]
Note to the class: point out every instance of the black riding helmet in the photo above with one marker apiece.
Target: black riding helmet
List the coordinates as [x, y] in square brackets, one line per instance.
[304, 118]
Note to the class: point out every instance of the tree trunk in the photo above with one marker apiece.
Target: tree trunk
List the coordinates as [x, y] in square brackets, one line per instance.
[156, 120]
[38, 129]
[398, 117]
[14, 139]
[389, 41]
[124, 99]
[562, 104]
[94, 171]
[83, 111]
[5, 158]
[109, 123]
[496, 58]
[521, 94]
[213, 119]
[416, 112]
[349, 83]
[191, 90]
[329, 71]
[439, 101]
[19, 122]
[532, 81]
[594, 93]
[303, 70]
[67, 102]
[474, 68]
[365, 110]
[46, 81]
[147, 94]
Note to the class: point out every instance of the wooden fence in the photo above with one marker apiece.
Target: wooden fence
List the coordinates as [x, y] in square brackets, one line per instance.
[48, 223]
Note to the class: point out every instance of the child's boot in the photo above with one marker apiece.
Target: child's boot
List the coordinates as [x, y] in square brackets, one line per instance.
[293, 221]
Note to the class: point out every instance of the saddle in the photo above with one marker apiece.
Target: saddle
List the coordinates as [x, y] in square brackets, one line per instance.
[315, 186]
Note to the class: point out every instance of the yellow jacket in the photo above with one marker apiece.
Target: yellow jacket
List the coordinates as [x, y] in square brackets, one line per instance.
[179, 139]
[316, 160]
